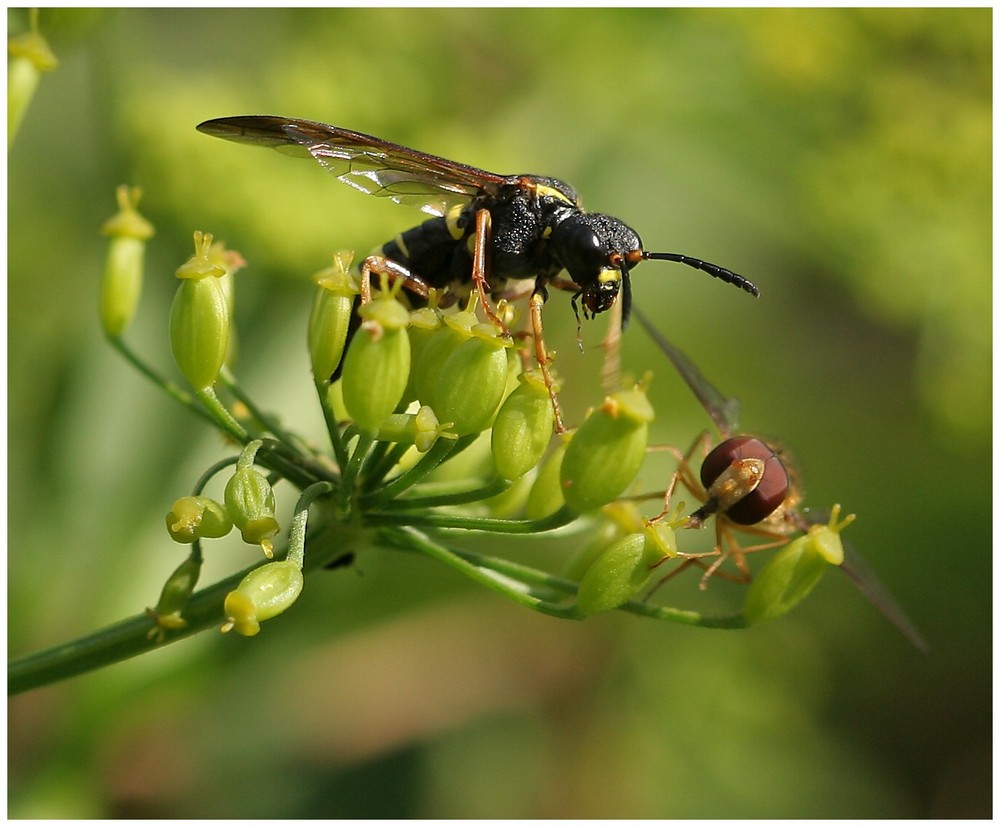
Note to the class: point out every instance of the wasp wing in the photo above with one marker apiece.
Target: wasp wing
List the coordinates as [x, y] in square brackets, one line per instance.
[367, 163]
[724, 410]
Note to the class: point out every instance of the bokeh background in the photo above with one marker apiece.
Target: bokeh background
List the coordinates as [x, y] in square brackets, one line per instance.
[840, 158]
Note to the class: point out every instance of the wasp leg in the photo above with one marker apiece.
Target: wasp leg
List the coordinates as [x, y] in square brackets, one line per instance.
[382, 266]
[479, 267]
[393, 271]
[543, 359]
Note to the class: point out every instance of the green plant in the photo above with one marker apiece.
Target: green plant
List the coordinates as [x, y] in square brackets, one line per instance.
[386, 478]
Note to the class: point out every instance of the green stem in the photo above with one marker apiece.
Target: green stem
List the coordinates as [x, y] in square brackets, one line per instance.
[563, 516]
[130, 637]
[172, 389]
[332, 428]
[541, 578]
[378, 470]
[411, 539]
[115, 643]
[297, 528]
[221, 416]
[266, 421]
[526, 575]
[496, 486]
[354, 465]
[205, 478]
[442, 450]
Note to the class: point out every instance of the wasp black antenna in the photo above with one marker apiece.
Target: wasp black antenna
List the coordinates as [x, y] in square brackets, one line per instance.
[714, 270]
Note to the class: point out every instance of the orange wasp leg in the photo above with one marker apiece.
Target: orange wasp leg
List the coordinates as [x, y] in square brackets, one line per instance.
[543, 359]
[480, 266]
[382, 266]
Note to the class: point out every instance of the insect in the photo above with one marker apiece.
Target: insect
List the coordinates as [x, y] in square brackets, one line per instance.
[487, 229]
[747, 484]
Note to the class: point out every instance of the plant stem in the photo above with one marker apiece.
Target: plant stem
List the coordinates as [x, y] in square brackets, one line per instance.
[115, 643]
[172, 389]
[490, 524]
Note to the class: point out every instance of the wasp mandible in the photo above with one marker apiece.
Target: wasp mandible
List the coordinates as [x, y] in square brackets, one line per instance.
[487, 229]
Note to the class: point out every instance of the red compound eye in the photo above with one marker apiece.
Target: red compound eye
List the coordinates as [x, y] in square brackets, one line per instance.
[770, 493]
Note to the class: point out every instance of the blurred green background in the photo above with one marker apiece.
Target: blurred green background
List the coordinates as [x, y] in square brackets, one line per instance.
[839, 158]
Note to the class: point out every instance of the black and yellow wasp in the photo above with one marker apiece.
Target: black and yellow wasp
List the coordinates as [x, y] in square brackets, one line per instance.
[487, 229]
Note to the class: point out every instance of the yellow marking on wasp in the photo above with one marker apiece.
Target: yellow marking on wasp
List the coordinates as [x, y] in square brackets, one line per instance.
[609, 275]
[451, 222]
[543, 190]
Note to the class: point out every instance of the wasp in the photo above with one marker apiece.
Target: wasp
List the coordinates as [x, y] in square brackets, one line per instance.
[487, 229]
[750, 484]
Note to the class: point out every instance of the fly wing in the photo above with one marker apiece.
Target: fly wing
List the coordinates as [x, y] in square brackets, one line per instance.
[724, 410]
[867, 582]
[367, 163]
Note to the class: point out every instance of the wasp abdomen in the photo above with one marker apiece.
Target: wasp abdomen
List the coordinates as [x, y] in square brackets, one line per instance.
[436, 251]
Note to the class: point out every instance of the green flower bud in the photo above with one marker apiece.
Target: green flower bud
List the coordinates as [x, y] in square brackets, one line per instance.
[331, 316]
[425, 322]
[123, 272]
[232, 261]
[250, 502]
[523, 427]
[30, 56]
[546, 495]
[793, 572]
[192, 518]
[262, 594]
[471, 383]
[377, 365]
[616, 520]
[420, 429]
[621, 571]
[174, 598]
[606, 452]
[440, 345]
[786, 580]
[199, 317]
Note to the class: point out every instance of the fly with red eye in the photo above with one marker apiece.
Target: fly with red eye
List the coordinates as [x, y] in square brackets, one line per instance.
[748, 485]
[487, 230]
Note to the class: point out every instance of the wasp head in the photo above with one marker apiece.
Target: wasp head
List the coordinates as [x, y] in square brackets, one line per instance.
[597, 251]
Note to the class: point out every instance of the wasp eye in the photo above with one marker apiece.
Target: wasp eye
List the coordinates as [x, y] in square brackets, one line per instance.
[769, 492]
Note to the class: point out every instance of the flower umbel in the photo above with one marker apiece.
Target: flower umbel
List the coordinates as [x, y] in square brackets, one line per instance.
[441, 429]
